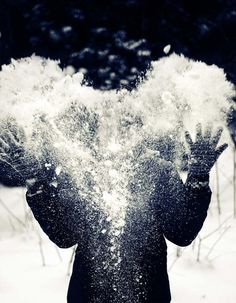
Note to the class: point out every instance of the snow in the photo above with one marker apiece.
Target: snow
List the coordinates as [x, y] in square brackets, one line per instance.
[176, 94]
[166, 49]
[211, 280]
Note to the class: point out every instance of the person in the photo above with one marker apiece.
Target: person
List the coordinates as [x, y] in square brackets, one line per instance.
[162, 206]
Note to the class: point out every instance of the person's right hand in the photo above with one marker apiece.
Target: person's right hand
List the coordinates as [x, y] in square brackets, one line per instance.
[204, 151]
[12, 151]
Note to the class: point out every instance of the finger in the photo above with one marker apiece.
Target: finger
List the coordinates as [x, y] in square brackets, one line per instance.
[216, 137]
[16, 131]
[188, 138]
[4, 145]
[2, 159]
[21, 135]
[9, 139]
[220, 150]
[208, 131]
[5, 156]
[13, 129]
[198, 132]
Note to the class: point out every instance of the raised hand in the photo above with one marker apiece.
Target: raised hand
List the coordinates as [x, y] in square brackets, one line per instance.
[17, 163]
[204, 151]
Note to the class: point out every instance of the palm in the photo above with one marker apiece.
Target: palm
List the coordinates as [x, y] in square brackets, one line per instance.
[204, 151]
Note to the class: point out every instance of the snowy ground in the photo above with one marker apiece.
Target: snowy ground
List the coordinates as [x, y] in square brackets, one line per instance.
[202, 273]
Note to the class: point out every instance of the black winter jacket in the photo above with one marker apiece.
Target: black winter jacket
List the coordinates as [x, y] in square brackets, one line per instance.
[161, 206]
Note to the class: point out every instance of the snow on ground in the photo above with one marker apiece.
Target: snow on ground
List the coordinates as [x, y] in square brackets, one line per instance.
[211, 279]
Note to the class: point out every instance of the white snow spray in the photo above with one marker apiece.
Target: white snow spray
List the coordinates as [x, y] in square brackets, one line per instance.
[97, 137]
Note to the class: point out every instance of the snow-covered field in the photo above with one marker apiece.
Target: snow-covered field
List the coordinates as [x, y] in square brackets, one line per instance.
[202, 273]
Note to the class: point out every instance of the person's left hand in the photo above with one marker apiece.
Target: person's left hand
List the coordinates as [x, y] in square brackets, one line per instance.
[17, 162]
[11, 145]
[204, 151]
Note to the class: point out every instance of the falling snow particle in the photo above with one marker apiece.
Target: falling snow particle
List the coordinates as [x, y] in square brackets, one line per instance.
[166, 49]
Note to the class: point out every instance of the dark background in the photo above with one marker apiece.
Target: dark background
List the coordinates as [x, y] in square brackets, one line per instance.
[115, 41]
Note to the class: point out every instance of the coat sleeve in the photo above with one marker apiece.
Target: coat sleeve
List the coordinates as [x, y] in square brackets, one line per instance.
[58, 210]
[184, 206]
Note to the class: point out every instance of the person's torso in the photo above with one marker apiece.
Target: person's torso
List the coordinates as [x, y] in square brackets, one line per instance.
[128, 265]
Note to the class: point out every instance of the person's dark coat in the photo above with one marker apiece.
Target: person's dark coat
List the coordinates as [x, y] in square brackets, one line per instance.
[161, 207]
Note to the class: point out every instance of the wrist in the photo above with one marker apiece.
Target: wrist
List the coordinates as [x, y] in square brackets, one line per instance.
[198, 180]
[199, 170]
